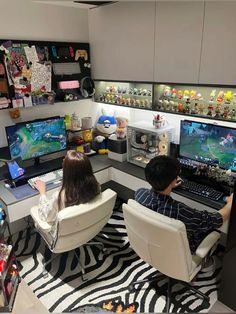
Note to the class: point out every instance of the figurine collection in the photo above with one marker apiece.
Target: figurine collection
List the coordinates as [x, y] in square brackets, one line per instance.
[197, 100]
[127, 96]
[220, 105]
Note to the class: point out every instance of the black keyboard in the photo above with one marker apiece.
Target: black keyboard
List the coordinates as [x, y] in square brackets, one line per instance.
[201, 190]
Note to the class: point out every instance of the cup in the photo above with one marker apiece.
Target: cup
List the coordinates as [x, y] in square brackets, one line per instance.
[87, 148]
[14, 113]
[86, 123]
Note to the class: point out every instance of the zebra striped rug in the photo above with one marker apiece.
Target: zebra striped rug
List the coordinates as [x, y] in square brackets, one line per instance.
[108, 279]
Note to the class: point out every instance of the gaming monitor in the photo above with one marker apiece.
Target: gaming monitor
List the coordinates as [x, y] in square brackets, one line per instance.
[208, 143]
[36, 138]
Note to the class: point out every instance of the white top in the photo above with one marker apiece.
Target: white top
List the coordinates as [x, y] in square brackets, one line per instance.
[48, 209]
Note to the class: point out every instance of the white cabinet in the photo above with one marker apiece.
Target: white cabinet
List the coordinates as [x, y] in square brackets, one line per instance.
[178, 35]
[218, 61]
[122, 41]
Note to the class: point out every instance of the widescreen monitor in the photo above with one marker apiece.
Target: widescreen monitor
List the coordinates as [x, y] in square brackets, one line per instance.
[208, 143]
[36, 138]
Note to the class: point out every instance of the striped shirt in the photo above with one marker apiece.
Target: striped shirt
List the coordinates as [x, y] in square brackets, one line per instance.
[198, 223]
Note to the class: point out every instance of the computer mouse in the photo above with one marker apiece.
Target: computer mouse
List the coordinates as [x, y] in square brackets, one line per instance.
[225, 199]
[7, 185]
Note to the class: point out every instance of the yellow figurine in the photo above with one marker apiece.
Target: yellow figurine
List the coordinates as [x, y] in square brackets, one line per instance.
[228, 96]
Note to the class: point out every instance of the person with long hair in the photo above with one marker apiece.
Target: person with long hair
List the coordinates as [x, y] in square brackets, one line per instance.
[79, 186]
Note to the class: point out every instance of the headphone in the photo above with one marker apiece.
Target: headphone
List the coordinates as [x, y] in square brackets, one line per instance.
[87, 87]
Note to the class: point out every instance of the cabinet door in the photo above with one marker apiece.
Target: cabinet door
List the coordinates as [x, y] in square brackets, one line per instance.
[178, 38]
[218, 61]
[122, 41]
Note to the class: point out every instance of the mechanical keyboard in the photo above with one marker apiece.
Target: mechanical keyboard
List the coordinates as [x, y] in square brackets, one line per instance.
[201, 190]
[50, 177]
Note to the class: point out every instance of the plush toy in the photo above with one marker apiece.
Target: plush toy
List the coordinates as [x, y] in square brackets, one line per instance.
[106, 125]
[121, 124]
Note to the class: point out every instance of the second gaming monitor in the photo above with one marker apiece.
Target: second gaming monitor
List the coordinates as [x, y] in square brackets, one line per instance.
[208, 143]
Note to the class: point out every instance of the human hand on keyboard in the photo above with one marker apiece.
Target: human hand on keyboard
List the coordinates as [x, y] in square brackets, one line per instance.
[178, 182]
[40, 186]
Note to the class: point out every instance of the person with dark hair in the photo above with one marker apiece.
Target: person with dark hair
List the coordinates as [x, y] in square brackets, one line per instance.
[162, 173]
[79, 186]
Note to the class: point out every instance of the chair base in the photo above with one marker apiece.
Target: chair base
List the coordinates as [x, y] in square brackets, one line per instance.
[83, 272]
[171, 281]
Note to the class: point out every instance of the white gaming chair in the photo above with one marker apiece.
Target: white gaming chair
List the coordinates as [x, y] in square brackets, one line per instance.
[76, 225]
[162, 242]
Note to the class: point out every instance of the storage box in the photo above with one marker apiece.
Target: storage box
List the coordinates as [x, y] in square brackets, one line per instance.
[117, 149]
[145, 142]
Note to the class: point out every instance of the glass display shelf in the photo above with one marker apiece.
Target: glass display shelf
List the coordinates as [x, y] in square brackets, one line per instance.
[204, 101]
[128, 94]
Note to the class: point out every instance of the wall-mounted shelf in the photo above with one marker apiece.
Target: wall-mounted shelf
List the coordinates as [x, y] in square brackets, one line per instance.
[203, 101]
[42, 72]
[126, 94]
[214, 102]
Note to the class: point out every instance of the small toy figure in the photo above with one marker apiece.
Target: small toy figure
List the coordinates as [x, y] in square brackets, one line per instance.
[187, 106]
[180, 107]
[140, 91]
[121, 127]
[186, 94]
[218, 111]
[232, 114]
[159, 121]
[220, 96]
[210, 110]
[228, 97]
[199, 96]
[201, 109]
[195, 109]
[212, 94]
[145, 92]
[180, 94]
[173, 93]
[167, 91]
[87, 136]
[225, 112]
[193, 94]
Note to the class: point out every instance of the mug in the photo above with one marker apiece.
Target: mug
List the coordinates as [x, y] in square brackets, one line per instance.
[86, 123]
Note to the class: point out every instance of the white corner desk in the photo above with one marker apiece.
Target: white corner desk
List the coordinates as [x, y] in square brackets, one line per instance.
[123, 177]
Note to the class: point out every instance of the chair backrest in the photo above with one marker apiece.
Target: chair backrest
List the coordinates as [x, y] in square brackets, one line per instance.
[159, 240]
[76, 225]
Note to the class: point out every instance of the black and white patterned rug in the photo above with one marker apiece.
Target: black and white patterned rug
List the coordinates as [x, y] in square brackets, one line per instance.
[107, 286]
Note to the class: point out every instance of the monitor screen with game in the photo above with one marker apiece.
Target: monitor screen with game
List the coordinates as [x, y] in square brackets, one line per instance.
[208, 143]
[36, 138]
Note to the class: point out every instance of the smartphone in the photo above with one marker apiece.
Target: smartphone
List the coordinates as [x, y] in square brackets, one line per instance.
[14, 169]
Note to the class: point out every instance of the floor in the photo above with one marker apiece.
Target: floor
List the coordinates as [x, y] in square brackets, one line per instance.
[27, 303]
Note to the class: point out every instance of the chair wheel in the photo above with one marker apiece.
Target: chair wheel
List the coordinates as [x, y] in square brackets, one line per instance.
[131, 288]
[84, 278]
[45, 274]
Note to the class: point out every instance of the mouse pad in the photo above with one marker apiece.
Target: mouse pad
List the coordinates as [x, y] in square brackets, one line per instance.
[23, 191]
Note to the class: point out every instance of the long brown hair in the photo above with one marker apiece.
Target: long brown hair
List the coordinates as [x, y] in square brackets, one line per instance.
[79, 184]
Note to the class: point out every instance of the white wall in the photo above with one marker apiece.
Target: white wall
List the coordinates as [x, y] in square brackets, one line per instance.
[25, 19]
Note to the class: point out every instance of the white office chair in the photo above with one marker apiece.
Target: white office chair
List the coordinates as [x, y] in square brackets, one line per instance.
[162, 242]
[76, 225]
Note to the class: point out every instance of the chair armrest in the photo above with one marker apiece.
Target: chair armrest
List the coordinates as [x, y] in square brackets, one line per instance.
[39, 223]
[207, 243]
